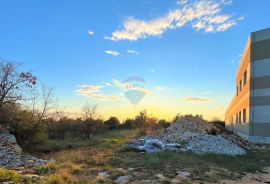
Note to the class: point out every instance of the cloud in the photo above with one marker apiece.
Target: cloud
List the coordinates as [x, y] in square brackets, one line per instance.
[104, 97]
[127, 86]
[90, 33]
[111, 52]
[198, 100]
[241, 18]
[206, 92]
[202, 15]
[108, 84]
[118, 83]
[181, 2]
[133, 52]
[86, 88]
[94, 92]
[159, 88]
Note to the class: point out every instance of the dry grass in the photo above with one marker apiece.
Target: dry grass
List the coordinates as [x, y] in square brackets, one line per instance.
[82, 165]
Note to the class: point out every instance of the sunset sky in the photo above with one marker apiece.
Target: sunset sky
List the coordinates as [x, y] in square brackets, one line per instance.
[186, 51]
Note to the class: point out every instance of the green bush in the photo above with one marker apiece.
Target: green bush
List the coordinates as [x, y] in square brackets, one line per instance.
[9, 175]
[112, 123]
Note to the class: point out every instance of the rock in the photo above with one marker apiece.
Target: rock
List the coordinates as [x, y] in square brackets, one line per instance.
[27, 171]
[190, 133]
[160, 177]
[177, 180]
[183, 173]
[30, 177]
[150, 145]
[104, 174]
[123, 179]
[131, 169]
[153, 145]
[11, 155]
[214, 144]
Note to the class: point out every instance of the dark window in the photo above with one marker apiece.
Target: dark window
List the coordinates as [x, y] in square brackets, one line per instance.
[244, 116]
[240, 85]
[240, 118]
[245, 77]
[237, 91]
[236, 119]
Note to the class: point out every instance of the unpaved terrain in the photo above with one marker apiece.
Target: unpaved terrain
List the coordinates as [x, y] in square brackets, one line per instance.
[107, 159]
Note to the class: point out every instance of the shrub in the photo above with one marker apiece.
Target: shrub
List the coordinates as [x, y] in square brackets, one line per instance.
[112, 122]
[114, 173]
[9, 175]
[100, 179]
[55, 179]
[163, 123]
[47, 169]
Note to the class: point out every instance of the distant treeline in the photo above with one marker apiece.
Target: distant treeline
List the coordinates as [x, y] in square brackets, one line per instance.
[29, 111]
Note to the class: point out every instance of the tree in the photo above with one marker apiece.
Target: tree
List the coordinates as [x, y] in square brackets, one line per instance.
[112, 122]
[89, 113]
[13, 84]
[29, 120]
[145, 120]
[163, 123]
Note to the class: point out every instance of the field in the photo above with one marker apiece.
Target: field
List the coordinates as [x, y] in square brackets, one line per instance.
[108, 152]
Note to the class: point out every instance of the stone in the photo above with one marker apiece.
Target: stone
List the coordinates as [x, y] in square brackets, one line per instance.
[131, 169]
[214, 144]
[176, 180]
[123, 179]
[104, 174]
[190, 133]
[27, 171]
[160, 177]
[32, 177]
[12, 156]
[183, 173]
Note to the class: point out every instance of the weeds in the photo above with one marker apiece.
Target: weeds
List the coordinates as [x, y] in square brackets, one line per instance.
[9, 176]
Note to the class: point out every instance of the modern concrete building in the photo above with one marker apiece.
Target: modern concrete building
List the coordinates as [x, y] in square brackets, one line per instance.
[248, 114]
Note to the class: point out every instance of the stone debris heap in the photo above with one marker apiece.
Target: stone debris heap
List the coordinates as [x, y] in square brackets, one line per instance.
[190, 134]
[11, 155]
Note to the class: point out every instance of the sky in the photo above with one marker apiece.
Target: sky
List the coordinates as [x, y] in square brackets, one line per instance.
[180, 55]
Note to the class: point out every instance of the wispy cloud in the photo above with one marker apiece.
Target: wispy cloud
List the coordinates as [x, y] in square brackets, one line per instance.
[111, 52]
[90, 33]
[86, 88]
[103, 96]
[133, 52]
[203, 15]
[206, 92]
[198, 100]
[159, 88]
[127, 86]
[94, 92]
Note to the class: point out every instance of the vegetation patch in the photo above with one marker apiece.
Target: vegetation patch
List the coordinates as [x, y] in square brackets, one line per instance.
[9, 175]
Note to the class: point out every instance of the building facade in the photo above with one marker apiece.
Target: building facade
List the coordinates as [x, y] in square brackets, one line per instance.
[248, 114]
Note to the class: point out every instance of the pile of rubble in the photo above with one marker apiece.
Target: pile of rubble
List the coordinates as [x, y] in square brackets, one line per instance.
[191, 133]
[11, 155]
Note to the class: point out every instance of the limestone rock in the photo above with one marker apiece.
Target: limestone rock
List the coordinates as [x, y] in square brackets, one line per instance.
[11, 155]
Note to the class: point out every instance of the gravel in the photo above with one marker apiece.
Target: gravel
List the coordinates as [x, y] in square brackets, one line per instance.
[190, 134]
